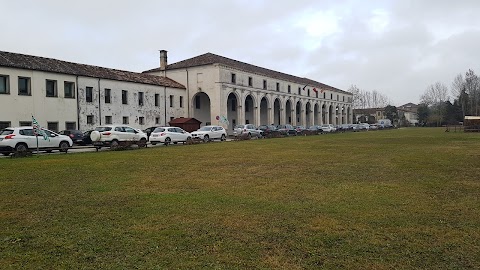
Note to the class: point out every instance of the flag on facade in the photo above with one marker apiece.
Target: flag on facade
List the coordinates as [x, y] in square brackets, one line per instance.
[304, 87]
[315, 90]
[38, 130]
[321, 91]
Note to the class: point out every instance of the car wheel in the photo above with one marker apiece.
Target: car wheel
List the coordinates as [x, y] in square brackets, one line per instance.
[154, 143]
[48, 151]
[142, 142]
[223, 138]
[114, 144]
[189, 140]
[167, 141]
[21, 148]
[206, 138]
[175, 142]
[249, 136]
[64, 147]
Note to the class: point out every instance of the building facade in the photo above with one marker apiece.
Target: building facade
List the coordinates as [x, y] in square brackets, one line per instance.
[63, 95]
[221, 88]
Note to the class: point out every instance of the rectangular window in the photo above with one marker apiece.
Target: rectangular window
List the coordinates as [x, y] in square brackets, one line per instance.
[338, 97]
[181, 102]
[278, 87]
[324, 95]
[5, 124]
[89, 94]
[140, 98]
[70, 125]
[53, 126]
[265, 84]
[250, 81]
[234, 78]
[69, 89]
[90, 119]
[331, 96]
[197, 102]
[299, 90]
[125, 120]
[289, 88]
[171, 118]
[4, 85]
[157, 120]
[316, 94]
[157, 100]
[24, 86]
[51, 88]
[171, 101]
[343, 98]
[124, 97]
[25, 123]
[108, 120]
[141, 120]
[108, 95]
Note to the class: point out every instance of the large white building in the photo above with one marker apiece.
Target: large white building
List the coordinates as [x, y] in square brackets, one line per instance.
[217, 86]
[64, 95]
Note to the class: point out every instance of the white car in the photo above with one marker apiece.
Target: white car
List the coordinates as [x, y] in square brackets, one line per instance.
[328, 128]
[247, 130]
[22, 139]
[167, 135]
[114, 135]
[208, 133]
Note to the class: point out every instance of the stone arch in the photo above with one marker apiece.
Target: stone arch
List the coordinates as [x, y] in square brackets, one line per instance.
[315, 114]
[330, 114]
[298, 113]
[232, 110]
[264, 115]
[250, 107]
[288, 111]
[276, 111]
[308, 114]
[202, 108]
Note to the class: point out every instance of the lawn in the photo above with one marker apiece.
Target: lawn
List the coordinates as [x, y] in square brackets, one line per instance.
[396, 199]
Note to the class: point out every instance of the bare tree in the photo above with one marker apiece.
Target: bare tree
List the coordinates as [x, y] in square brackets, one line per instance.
[472, 88]
[434, 97]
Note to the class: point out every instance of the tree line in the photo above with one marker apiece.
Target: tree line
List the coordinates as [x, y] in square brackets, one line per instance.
[437, 107]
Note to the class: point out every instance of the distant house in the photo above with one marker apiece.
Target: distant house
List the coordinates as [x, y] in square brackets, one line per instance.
[369, 115]
[409, 110]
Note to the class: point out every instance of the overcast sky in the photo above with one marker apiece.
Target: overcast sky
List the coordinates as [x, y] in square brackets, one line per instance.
[397, 47]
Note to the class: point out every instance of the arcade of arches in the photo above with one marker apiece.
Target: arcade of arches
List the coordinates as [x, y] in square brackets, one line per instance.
[261, 109]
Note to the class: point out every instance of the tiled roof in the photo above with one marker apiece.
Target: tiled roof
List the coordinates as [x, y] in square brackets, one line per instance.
[22, 61]
[210, 58]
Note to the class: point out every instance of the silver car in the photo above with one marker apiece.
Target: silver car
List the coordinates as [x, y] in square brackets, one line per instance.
[247, 130]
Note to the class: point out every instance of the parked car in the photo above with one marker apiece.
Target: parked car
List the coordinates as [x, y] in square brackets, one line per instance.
[86, 137]
[208, 133]
[247, 130]
[363, 126]
[114, 135]
[167, 135]
[287, 129]
[75, 135]
[22, 139]
[149, 130]
[270, 131]
[328, 128]
[300, 129]
[315, 129]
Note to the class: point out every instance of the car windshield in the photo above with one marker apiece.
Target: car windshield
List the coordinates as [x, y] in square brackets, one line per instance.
[6, 132]
[102, 129]
[205, 129]
[158, 130]
[239, 126]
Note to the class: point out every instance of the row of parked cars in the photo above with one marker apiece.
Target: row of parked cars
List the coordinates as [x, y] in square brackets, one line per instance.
[22, 139]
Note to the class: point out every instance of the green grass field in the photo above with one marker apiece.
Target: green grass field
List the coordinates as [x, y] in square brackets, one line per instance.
[396, 199]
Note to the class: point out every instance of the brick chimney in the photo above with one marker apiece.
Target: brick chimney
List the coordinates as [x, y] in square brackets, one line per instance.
[163, 59]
